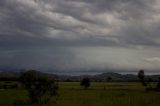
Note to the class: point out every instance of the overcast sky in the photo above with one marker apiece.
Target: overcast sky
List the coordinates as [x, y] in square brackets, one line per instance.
[80, 35]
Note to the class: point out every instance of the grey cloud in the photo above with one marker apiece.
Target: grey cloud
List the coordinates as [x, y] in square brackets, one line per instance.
[68, 24]
[78, 19]
[45, 58]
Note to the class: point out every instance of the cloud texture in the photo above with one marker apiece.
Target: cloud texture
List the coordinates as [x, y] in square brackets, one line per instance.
[80, 34]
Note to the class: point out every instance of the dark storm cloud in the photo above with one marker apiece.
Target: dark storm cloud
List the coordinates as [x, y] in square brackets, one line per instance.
[42, 29]
[78, 20]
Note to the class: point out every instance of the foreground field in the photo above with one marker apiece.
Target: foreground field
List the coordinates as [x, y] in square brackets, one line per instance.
[71, 94]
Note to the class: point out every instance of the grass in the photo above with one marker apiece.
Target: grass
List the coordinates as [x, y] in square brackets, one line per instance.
[71, 94]
[7, 97]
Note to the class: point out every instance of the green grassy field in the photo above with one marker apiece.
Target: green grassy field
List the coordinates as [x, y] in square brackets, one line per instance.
[71, 94]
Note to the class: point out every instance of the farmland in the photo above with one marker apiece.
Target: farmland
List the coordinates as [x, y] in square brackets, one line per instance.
[98, 94]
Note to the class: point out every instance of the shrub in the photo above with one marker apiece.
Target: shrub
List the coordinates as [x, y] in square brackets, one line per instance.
[85, 82]
[40, 88]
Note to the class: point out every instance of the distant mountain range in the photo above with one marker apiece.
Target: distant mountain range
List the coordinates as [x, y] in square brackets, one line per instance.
[98, 77]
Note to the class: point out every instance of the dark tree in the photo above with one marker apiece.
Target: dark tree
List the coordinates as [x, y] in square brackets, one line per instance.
[158, 84]
[38, 86]
[141, 76]
[85, 82]
[109, 79]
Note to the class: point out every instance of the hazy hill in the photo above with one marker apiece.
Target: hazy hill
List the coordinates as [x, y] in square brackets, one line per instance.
[99, 77]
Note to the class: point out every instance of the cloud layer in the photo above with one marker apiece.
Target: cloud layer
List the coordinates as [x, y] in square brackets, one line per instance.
[80, 34]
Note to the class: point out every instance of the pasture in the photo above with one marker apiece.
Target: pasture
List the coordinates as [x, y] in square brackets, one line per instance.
[98, 94]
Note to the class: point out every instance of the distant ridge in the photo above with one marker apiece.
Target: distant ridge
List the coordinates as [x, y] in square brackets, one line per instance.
[99, 77]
